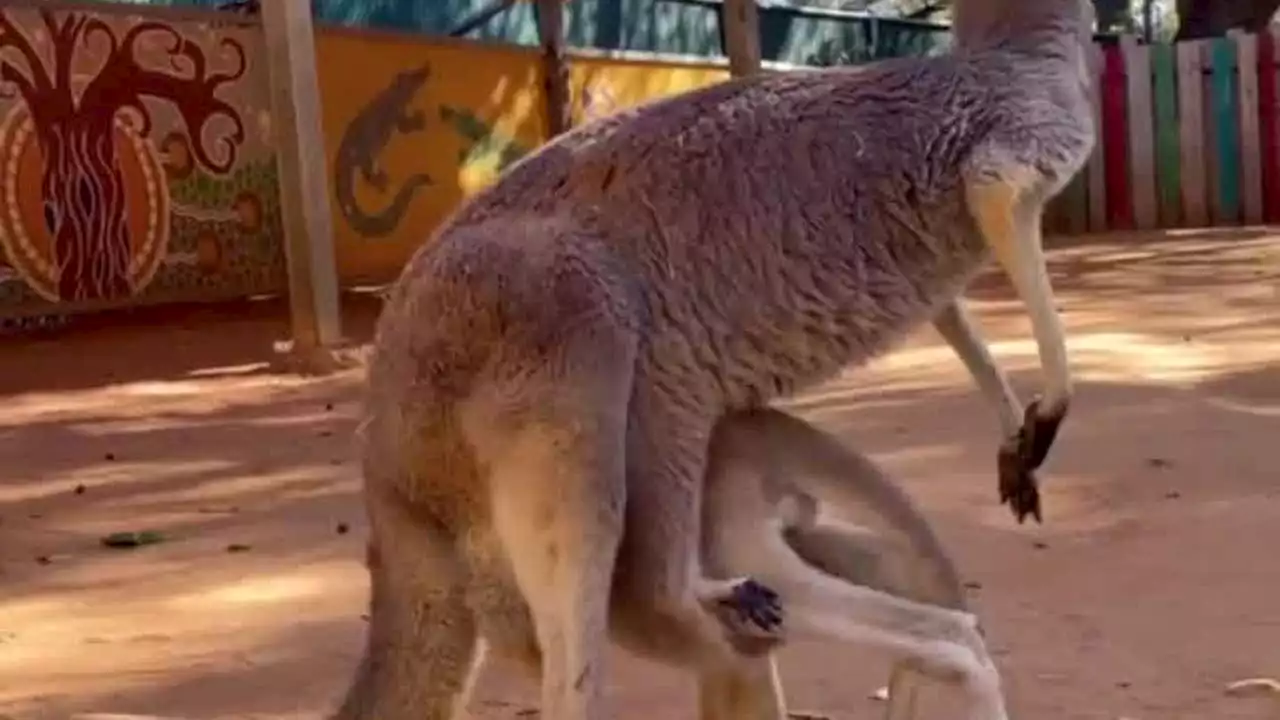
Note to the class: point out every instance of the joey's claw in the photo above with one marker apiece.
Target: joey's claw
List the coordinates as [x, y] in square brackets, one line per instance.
[752, 617]
[756, 603]
[1018, 485]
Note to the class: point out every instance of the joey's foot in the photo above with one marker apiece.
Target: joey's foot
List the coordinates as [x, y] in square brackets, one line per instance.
[1018, 485]
[751, 615]
[754, 603]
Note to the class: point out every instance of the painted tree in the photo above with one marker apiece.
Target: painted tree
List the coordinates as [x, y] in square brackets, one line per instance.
[85, 197]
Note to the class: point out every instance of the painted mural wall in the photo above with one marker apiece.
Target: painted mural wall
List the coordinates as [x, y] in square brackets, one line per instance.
[424, 123]
[136, 161]
[601, 86]
[411, 128]
[790, 32]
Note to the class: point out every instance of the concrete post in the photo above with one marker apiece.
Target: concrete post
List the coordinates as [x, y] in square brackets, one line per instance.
[304, 191]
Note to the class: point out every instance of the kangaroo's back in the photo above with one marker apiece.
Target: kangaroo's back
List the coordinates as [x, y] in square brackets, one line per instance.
[835, 196]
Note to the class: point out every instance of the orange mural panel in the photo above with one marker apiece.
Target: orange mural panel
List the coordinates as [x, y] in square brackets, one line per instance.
[129, 145]
[412, 127]
[30, 244]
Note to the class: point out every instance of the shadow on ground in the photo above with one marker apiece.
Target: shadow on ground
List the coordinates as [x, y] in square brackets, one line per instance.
[164, 343]
[1150, 586]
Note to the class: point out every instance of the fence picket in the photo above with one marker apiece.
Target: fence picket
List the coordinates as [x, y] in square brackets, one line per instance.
[1191, 134]
[1097, 169]
[1141, 127]
[1226, 117]
[1115, 140]
[1268, 126]
[1168, 170]
[1246, 47]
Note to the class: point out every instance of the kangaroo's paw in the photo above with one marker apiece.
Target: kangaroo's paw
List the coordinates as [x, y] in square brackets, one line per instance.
[1021, 455]
[1039, 430]
[1019, 487]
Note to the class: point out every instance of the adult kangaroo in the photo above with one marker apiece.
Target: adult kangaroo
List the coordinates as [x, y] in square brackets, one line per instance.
[551, 363]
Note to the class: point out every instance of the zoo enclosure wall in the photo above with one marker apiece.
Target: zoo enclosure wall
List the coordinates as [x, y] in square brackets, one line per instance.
[161, 186]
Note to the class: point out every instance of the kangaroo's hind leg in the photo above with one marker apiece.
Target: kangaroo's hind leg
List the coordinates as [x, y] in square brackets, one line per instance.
[421, 653]
[745, 689]
[671, 602]
[550, 429]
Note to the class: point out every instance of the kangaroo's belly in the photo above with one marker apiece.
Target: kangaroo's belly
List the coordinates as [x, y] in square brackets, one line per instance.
[737, 355]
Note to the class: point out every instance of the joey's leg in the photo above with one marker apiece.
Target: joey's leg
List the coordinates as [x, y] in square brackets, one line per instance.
[862, 557]
[1007, 210]
[659, 569]
[744, 689]
[422, 651]
[941, 642]
[904, 692]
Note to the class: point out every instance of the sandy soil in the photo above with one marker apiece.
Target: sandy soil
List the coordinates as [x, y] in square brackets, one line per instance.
[1152, 584]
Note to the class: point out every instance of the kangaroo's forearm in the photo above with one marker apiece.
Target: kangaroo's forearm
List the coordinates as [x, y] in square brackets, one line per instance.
[956, 326]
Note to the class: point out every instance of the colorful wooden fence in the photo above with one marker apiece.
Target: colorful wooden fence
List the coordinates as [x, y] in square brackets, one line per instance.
[1187, 138]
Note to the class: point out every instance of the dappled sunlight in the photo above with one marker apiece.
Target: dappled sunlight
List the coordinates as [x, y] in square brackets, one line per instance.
[919, 454]
[1271, 410]
[270, 590]
[251, 604]
[1110, 356]
[142, 399]
[115, 576]
[849, 389]
[137, 636]
[114, 474]
[281, 482]
[174, 422]
[230, 370]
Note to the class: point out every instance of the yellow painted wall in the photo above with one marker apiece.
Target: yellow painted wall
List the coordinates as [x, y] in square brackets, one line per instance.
[471, 92]
[602, 85]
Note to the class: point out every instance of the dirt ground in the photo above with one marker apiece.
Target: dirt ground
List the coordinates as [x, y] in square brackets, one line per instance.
[1152, 584]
